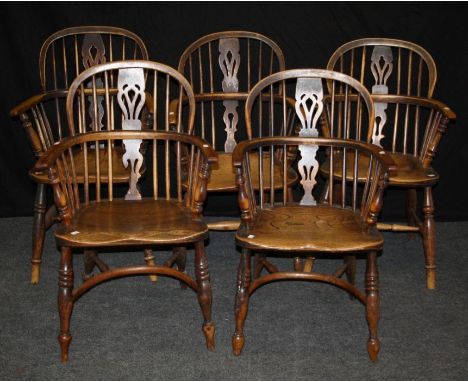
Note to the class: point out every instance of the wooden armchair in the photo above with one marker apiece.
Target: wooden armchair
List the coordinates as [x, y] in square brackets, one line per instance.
[63, 56]
[93, 215]
[306, 99]
[222, 68]
[408, 123]
[307, 227]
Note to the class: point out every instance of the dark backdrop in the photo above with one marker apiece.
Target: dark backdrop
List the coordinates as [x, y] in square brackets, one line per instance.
[308, 33]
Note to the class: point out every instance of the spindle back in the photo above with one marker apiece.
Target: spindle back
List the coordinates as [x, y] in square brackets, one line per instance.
[387, 66]
[222, 68]
[163, 181]
[121, 90]
[294, 101]
[66, 53]
[314, 153]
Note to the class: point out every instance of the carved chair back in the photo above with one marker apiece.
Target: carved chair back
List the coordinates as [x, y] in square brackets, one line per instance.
[222, 68]
[66, 53]
[399, 74]
[63, 56]
[387, 66]
[163, 181]
[305, 102]
[314, 153]
[125, 89]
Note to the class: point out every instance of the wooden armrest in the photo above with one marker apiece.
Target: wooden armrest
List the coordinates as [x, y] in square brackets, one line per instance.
[47, 161]
[421, 101]
[35, 100]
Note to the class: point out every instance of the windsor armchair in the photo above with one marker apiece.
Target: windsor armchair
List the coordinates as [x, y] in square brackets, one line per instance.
[222, 68]
[103, 212]
[409, 124]
[303, 226]
[63, 56]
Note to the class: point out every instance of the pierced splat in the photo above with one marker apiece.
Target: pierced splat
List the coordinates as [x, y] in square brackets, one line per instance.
[93, 52]
[309, 107]
[131, 98]
[229, 60]
[381, 67]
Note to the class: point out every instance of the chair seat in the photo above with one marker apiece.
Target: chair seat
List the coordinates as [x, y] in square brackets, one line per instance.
[223, 175]
[409, 171]
[126, 222]
[120, 174]
[318, 228]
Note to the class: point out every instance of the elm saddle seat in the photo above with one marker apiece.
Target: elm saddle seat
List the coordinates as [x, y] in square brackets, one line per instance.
[120, 174]
[410, 170]
[124, 222]
[304, 229]
[223, 176]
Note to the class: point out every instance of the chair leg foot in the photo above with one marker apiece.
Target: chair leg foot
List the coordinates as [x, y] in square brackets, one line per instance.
[35, 272]
[373, 347]
[430, 278]
[372, 305]
[204, 294]
[242, 301]
[209, 331]
[237, 343]
[149, 259]
[428, 236]
[64, 341]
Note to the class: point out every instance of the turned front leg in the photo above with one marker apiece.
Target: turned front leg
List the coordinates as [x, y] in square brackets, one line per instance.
[242, 300]
[204, 293]
[428, 235]
[65, 300]
[38, 232]
[372, 305]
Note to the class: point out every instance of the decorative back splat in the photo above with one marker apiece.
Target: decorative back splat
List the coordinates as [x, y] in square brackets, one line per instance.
[381, 66]
[229, 60]
[93, 52]
[309, 107]
[131, 98]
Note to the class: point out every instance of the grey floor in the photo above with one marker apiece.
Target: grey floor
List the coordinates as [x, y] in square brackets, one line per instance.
[133, 329]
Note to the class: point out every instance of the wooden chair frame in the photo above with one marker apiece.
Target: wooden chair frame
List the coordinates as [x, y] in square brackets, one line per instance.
[58, 163]
[369, 209]
[31, 113]
[207, 94]
[412, 101]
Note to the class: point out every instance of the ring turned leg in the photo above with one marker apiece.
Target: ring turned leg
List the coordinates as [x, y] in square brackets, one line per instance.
[428, 236]
[149, 260]
[204, 293]
[38, 232]
[180, 260]
[242, 301]
[65, 300]
[372, 305]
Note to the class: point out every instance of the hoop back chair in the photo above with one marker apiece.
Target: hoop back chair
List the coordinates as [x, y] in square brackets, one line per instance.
[409, 124]
[290, 100]
[64, 55]
[222, 68]
[99, 211]
[307, 226]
